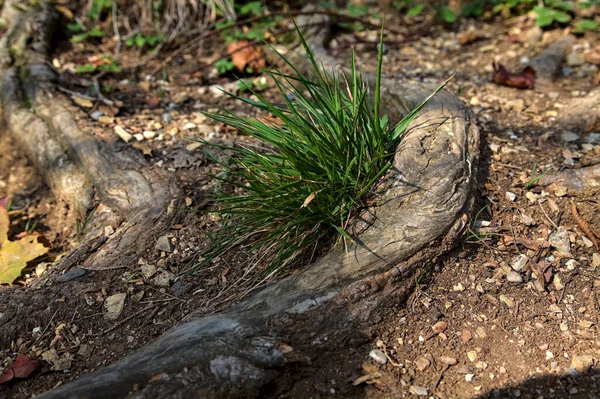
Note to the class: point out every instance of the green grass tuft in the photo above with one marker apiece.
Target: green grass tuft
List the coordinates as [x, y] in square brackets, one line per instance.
[315, 166]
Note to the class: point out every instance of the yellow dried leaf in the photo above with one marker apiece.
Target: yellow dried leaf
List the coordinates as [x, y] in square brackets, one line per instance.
[4, 223]
[14, 255]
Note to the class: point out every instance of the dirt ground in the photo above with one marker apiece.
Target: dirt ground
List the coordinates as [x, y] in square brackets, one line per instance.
[506, 314]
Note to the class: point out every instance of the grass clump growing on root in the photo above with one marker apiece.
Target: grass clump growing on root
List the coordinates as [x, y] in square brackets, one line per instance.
[319, 160]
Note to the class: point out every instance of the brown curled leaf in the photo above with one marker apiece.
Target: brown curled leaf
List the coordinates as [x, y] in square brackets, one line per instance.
[584, 226]
[523, 80]
[244, 54]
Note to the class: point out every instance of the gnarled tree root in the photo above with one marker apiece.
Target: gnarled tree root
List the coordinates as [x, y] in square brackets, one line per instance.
[574, 180]
[423, 206]
[73, 164]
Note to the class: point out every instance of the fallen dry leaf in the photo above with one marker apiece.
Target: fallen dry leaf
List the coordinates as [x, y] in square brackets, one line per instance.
[143, 147]
[224, 275]
[14, 255]
[523, 80]
[243, 54]
[544, 271]
[22, 367]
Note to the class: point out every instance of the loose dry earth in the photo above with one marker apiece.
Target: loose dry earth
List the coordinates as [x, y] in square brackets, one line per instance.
[513, 312]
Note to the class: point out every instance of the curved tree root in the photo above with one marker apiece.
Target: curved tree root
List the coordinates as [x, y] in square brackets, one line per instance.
[574, 180]
[72, 163]
[424, 203]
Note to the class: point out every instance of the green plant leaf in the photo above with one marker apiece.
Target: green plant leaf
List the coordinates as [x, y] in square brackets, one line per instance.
[561, 17]
[545, 16]
[80, 38]
[224, 65]
[140, 41]
[447, 15]
[314, 165]
[154, 40]
[415, 11]
[75, 27]
[95, 32]
[112, 67]
[356, 11]
[85, 68]
[252, 8]
[585, 25]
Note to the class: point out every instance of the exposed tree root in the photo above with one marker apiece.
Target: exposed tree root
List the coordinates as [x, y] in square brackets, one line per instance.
[73, 164]
[575, 180]
[423, 207]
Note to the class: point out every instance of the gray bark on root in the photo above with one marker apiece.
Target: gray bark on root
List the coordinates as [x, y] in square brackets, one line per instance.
[73, 164]
[423, 207]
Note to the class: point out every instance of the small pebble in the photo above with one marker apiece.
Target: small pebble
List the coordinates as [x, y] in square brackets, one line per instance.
[514, 277]
[123, 134]
[148, 270]
[571, 264]
[378, 356]
[164, 244]
[595, 259]
[148, 134]
[519, 262]
[422, 363]
[96, 115]
[72, 275]
[419, 391]
[561, 241]
[582, 363]
[472, 355]
[167, 117]
[569, 137]
[114, 305]
[163, 279]
[575, 59]
[180, 288]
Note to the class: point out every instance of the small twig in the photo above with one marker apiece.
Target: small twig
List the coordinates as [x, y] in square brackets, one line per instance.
[116, 31]
[392, 362]
[74, 93]
[87, 97]
[562, 294]
[439, 379]
[169, 295]
[125, 320]
[97, 86]
[547, 217]
[68, 348]
[74, 314]
[159, 300]
[45, 329]
[92, 315]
